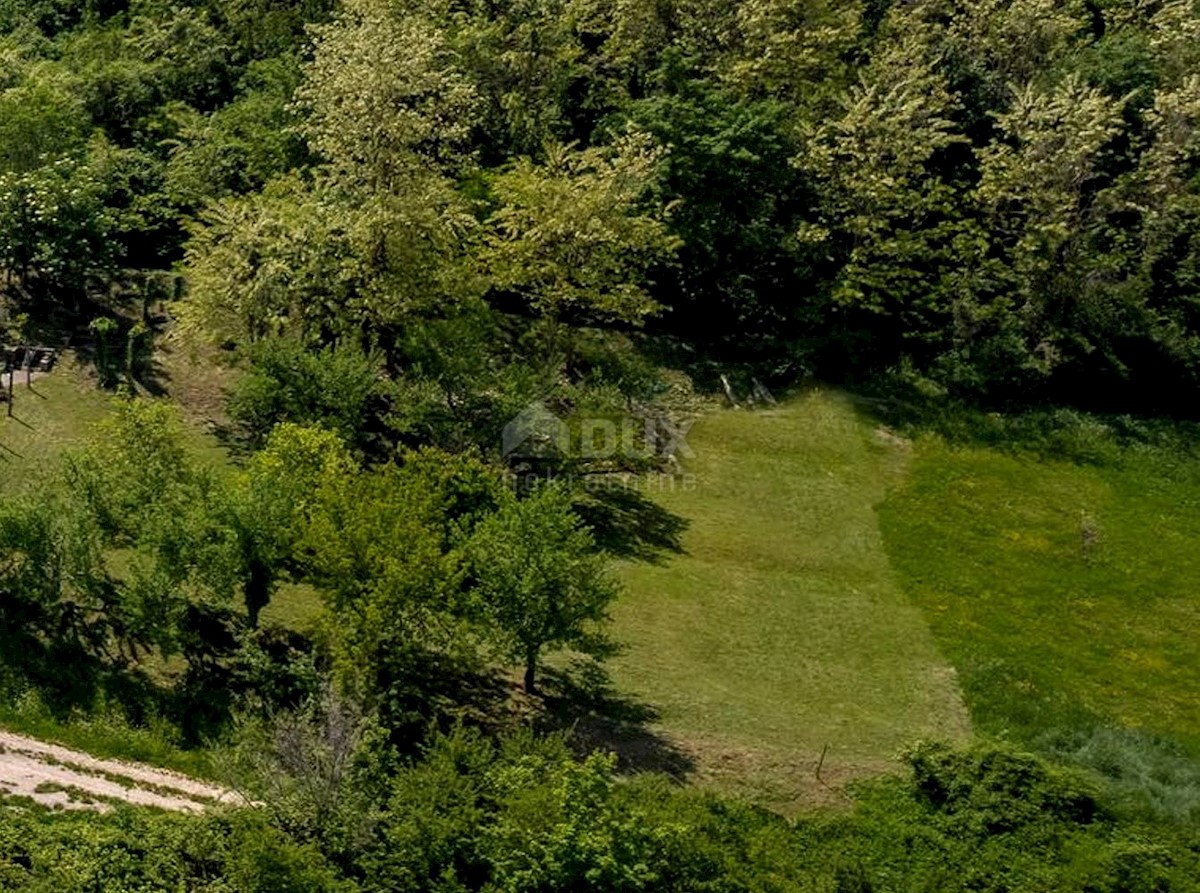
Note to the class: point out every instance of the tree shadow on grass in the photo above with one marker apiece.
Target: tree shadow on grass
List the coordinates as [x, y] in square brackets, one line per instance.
[582, 700]
[234, 439]
[626, 524]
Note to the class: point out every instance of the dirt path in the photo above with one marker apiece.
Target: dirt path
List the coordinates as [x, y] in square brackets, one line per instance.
[58, 777]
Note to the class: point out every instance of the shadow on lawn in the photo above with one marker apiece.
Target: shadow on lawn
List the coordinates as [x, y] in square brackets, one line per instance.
[628, 525]
[581, 699]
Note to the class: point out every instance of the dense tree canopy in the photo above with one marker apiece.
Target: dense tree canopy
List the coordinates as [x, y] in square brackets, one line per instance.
[996, 200]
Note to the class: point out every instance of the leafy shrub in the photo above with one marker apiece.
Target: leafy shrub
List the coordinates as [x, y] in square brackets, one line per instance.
[338, 388]
[993, 791]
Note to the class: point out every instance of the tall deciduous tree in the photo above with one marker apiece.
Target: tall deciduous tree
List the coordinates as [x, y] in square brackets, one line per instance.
[576, 237]
[385, 97]
[888, 209]
[1037, 188]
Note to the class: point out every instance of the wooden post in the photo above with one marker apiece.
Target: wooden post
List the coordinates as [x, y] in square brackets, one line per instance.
[12, 371]
[28, 368]
[729, 392]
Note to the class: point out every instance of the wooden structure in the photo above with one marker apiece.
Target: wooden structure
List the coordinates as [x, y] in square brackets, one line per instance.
[28, 358]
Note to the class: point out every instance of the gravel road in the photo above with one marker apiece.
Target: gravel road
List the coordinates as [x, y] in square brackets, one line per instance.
[59, 777]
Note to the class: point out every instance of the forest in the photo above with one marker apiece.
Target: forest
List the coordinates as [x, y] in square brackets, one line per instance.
[392, 230]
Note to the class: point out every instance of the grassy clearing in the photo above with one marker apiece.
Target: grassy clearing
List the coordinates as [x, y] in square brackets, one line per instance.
[56, 413]
[61, 409]
[781, 630]
[1067, 596]
[197, 377]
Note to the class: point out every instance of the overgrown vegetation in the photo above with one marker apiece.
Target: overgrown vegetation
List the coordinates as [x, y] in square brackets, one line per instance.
[470, 265]
[525, 815]
[1063, 593]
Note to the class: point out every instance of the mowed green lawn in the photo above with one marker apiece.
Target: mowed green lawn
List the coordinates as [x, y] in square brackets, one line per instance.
[781, 632]
[60, 411]
[1052, 630]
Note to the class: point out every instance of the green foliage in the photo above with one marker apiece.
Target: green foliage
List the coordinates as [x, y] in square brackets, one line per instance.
[269, 504]
[273, 262]
[136, 555]
[41, 118]
[139, 852]
[524, 58]
[383, 95]
[786, 46]
[417, 218]
[524, 816]
[537, 577]
[316, 261]
[241, 146]
[997, 198]
[887, 209]
[461, 381]
[54, 228]
[264, 29]
[996, 792]
[58, 603]
[570, 237]
[988, 833]
[384, 547]
[736, 193]
[339, 388]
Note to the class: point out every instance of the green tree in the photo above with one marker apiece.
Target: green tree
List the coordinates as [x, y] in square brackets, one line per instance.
[384, 548]
[272, 263]
[241, 146]
[577, 237]
[54, 230]
[384, 97]
[793, 48]
[538, 577]
[1038, 190]
[523, 58]
[339, 388]
[737, 199]
[41, 118]
[269, 503]
[888, 213]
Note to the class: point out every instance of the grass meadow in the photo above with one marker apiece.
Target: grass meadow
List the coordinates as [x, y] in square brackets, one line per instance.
[1067, 597]
[55, 413]
[841, 592]
[781, 632]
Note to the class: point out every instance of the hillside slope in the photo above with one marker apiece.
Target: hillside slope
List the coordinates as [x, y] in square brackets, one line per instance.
[781, 631]
[1065, 595]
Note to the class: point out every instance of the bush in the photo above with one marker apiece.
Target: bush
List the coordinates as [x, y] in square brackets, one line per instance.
[338, 388]
[989, 791]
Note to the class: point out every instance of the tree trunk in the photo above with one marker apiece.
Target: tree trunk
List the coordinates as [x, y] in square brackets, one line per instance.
[256, 591]
[531, 673]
